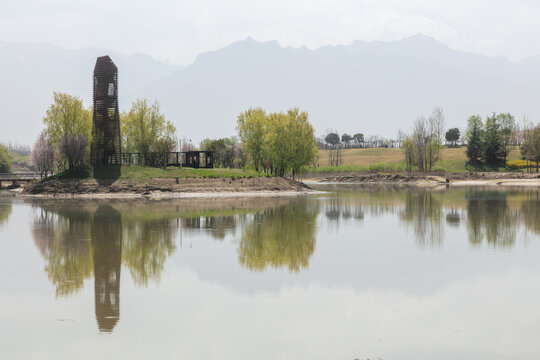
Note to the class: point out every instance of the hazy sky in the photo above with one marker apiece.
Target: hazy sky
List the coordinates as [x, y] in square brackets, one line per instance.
[178, 30]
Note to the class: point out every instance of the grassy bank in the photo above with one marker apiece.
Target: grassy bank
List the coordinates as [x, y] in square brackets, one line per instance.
[392, 160]
[147, 173]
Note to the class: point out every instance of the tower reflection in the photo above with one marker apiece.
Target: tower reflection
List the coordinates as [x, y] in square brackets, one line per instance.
[107, 254]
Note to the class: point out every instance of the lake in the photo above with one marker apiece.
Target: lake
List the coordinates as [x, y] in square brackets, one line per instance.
[361, 272]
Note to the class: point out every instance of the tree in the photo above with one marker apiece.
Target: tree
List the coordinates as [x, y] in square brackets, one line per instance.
[423, 148]
[162, 148]
[530, 149]
[224, 151]
[302, 136]
[42, 155]
[452, 136]
[474, 137]
[346, 139]
[409, 150]
[66, 117]
[5, 161]
[143, 127]
[507, 126]
[492, 149]
[332, 139]
[358, 139]
[284, 141]
[252, 127]
[74, 148]
[436, 123]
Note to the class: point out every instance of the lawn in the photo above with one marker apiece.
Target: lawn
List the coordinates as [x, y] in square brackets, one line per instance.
[146, 173]
[386, 159]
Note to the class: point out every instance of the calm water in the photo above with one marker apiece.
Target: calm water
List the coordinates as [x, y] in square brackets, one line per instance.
[363, 272]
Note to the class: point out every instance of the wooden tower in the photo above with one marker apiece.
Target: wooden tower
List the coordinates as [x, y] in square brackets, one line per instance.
[106, 147]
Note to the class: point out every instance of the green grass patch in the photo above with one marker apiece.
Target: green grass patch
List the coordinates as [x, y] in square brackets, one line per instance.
[146, 173]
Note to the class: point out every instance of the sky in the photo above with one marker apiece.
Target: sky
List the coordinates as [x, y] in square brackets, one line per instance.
[178, 30]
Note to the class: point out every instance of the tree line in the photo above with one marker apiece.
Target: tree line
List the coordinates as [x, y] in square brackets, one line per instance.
[65, 142]
[278, 143]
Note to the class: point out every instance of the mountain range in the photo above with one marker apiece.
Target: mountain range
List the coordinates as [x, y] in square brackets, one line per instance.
[371, 87]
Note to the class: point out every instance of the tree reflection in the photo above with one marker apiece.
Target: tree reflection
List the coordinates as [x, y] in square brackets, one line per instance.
[338, 208]
[280, 237]
[5, 211]
[453, 217]
[216, 226]
[76, 240]
[490, 218]
[424, 211]
[63, 241]
[530, 211]
[146, 247]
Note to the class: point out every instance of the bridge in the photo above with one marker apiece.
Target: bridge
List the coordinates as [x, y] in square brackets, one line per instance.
[18, 177]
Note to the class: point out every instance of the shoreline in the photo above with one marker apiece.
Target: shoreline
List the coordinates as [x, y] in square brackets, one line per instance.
[172, 195]
[428, 179]
[184, 188]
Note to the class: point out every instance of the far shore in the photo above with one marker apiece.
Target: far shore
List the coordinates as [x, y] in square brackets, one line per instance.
[427, 179]
[206, 188]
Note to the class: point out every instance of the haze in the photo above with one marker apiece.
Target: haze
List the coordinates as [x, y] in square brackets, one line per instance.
[52, 46]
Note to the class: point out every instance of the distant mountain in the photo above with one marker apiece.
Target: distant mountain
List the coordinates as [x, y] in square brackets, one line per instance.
[29, 73]
[370, 87]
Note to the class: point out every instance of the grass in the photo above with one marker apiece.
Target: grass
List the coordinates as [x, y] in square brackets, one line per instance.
[147, 173]
[391, 160]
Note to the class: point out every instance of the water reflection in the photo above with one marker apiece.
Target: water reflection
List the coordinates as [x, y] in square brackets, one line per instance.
[107, 255]
[490, 218]
[79, 240]
[424, 211]
[63, 239]
[280, 237]
[5, 211]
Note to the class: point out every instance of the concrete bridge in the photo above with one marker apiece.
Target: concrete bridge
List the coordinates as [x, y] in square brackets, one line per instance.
[17, 178]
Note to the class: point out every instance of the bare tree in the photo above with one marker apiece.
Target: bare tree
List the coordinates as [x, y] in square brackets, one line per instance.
[436, 123]
[74, 147]
[42, 156]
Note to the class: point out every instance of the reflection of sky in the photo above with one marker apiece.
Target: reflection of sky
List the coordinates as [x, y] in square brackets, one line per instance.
[370, 291]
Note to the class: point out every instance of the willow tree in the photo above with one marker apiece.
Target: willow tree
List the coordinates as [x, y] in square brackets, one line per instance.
[144, 128]
[252, 128]
[67, 117]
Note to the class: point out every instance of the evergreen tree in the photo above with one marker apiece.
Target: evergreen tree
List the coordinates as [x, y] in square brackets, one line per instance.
[474, 136]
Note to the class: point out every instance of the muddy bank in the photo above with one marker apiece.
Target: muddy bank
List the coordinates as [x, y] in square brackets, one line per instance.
[487, 178]
[185, 188]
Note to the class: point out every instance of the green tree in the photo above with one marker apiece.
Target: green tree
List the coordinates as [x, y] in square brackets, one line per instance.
[474, 137]
[67, 117]
[530, 149]
[303, 149]
[144, 127]
[452, 136]
[252, 127]
[290, 141]
[5, 161]
[346, 139]
[492, 149]
[224, 150]
[332, 139]
[358, 138]
[507, 126]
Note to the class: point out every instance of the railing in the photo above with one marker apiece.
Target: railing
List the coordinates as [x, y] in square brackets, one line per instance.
[19, 177]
